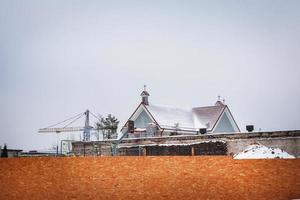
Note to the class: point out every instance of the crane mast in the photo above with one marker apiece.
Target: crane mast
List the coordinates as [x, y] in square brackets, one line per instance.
[87, 127]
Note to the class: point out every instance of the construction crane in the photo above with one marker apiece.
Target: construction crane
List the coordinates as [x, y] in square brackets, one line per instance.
[87, 128]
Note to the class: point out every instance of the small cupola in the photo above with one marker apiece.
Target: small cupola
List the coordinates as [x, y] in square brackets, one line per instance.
[145, 96]
[219, 102]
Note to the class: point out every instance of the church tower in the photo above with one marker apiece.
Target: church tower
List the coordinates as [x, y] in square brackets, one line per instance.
[145, 96]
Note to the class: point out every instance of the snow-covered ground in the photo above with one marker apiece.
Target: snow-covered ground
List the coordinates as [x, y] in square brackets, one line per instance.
[257, 151]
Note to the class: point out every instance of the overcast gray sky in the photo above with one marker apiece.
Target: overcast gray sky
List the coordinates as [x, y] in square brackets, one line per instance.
[58, 58]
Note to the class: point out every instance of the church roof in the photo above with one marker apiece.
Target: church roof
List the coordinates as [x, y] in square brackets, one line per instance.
[187, 118]
[209, 115]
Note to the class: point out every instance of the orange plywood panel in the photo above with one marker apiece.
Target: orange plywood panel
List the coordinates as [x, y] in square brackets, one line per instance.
[191, 177]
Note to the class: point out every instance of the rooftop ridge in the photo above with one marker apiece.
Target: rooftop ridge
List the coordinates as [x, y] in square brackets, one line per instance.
[171, 107]
[184, 108]
[208, 106]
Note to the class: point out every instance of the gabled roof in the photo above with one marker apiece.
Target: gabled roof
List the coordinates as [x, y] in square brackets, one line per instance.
[187, 118]
[209, 115]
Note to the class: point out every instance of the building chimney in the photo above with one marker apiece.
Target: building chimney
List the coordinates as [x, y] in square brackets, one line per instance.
[145, 96]
[249, 128]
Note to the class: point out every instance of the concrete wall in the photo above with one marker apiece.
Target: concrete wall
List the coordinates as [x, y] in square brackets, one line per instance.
[206, 148]
[92, 148]
[290, 145]
[144, 178]
[286, 140]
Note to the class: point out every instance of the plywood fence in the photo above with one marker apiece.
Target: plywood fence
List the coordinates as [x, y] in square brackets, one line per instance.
[207, 177]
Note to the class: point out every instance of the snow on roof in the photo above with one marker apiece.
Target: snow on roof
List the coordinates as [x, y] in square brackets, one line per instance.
[187, 118]
[257, 151]
[168, 116]
[209, 115]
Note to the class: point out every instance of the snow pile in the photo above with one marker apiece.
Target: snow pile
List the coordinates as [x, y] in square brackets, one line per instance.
[257, 151]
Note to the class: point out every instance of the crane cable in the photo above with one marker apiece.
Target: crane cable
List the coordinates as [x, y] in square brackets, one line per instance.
[73, 120]
[80, 114]
[95, 116]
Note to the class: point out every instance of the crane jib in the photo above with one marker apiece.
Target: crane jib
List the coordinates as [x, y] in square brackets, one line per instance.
[58, 130]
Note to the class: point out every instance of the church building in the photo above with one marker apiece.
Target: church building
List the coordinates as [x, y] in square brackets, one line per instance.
[151, 120]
